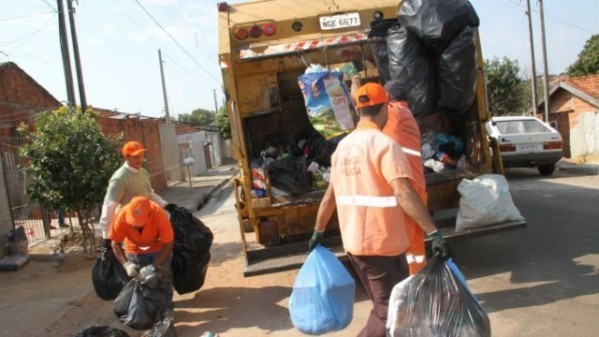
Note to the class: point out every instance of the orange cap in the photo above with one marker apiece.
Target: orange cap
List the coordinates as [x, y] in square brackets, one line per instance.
[371, 94]
[133, 148]
[137, 212]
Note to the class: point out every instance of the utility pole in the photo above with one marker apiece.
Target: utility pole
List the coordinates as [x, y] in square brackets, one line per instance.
[168, 118]
[66, 59]
[545, 67]
[533, 79]
[76, 56]
[215, 104]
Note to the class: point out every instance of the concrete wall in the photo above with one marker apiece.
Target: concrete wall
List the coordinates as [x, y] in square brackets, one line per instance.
[6, 222]
[193, 145]
[584, 136]
[170, 153]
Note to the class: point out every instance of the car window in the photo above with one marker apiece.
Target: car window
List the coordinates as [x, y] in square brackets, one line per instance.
[522, 126]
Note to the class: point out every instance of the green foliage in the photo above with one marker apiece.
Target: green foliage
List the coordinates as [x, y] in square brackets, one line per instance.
[198, 117]
[503, 86]
[588, 59]
[69, 159]
[222, 123]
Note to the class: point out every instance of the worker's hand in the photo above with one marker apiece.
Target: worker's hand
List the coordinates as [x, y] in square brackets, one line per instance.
[170, 207]
[131, 268]
[147, 271]
[439, 245]
[315, 240]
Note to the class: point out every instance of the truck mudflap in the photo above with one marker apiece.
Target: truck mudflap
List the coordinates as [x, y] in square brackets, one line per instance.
[292, 255]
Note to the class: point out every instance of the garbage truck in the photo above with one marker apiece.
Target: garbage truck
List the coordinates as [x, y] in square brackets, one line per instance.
[283, 146]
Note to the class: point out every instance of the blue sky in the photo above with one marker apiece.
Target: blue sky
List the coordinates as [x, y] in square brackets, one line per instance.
[119, 44]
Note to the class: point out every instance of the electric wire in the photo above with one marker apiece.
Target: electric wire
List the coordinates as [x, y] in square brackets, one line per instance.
[25, 16]
[175, 40]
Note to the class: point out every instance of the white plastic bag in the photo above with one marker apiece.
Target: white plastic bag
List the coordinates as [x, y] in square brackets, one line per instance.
[485, 200]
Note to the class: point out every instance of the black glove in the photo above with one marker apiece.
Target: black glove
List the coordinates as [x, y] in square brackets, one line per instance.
[315, 240]
[170, 207]
[439, 245]
[107, 243]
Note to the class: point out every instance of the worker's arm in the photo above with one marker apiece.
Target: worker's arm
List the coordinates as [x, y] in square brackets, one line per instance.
[326, 210]
[163, 255]
[119, 252]
[412, 205]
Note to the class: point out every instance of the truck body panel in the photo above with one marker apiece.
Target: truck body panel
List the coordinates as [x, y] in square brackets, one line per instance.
[260, 77]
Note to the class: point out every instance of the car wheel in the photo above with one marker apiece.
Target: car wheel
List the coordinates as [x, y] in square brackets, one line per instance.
[546, 170]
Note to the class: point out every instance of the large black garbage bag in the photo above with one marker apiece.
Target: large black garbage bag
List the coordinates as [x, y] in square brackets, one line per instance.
[377, 34]
[102, 331]
[411, 64]
[457, 73]
[191, 253]
[290, 175]
[437, 22]
[139, 304]
[436, 302]
[316, 147]
[163, 328]
[108, 276]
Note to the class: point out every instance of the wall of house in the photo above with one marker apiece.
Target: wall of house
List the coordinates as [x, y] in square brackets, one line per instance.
[193, 143]
[581, 134]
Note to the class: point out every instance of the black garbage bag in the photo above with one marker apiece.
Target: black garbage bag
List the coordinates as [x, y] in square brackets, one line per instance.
[412, 65]
[437, 22]
[290, 175]
[457, 73]
[191, 253]
[318, 149]
[377, 34]
[163, 328]
[18, 243]
[102, 331]
[108, 276]
[436, 302]
[139, 304]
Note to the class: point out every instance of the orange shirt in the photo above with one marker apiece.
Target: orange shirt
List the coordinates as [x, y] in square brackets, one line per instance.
[403, 128]
[150, 239]
[363, 165]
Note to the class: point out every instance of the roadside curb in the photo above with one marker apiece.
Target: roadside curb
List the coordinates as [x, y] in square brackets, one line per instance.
[583, 169]
[206, 197]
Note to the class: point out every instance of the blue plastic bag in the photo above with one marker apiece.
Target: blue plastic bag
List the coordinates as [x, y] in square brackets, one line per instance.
[322, 299]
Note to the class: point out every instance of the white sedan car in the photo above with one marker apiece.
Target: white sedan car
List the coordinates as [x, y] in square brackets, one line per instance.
[526, 142]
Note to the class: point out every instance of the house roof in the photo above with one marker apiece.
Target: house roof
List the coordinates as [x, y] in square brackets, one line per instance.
[584, 87]
[11, 65]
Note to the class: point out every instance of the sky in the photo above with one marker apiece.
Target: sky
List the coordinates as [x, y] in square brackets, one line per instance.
[119, 42]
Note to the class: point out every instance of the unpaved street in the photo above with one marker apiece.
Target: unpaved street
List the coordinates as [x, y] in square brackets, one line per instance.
[538, 281]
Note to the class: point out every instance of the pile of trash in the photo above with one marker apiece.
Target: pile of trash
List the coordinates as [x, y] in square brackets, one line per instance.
[431, 48]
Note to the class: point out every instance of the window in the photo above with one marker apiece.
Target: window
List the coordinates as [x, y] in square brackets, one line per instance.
[521, 126]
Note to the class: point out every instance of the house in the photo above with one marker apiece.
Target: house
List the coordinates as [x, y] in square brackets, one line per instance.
[203, 144]
[574, 112]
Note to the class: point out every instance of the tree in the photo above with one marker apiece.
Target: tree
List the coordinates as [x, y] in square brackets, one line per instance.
[222, 123]
[69, 163]
[198, 117]
[503, 86]
[588, 59]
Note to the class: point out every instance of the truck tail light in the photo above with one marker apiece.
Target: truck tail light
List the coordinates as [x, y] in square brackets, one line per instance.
[507, 148]
[255, 31]
[269, 29]
[241, 33]
[552, 145]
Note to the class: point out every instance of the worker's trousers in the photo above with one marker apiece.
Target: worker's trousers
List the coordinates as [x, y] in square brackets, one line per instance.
[379, 274]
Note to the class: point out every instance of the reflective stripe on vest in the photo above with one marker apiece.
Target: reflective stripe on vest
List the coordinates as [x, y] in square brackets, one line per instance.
[366, 200]
[411, 152]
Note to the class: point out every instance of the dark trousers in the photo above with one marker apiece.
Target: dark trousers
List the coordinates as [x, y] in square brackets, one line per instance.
[379, 274]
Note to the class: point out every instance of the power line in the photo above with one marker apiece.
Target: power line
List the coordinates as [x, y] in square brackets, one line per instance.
[176, 42]
[25, 16]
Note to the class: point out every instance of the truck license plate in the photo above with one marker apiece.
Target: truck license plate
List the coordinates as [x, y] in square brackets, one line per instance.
[529, 147]
[339, 21]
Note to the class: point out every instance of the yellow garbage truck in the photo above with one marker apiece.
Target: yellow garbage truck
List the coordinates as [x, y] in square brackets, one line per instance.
[266, 47]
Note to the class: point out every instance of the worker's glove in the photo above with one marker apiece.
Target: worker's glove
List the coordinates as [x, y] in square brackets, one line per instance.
[315, 240]
[147, 271]
[131, 268]
[170, 207]
[439, 245]
[149, 276]
[107, 243]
